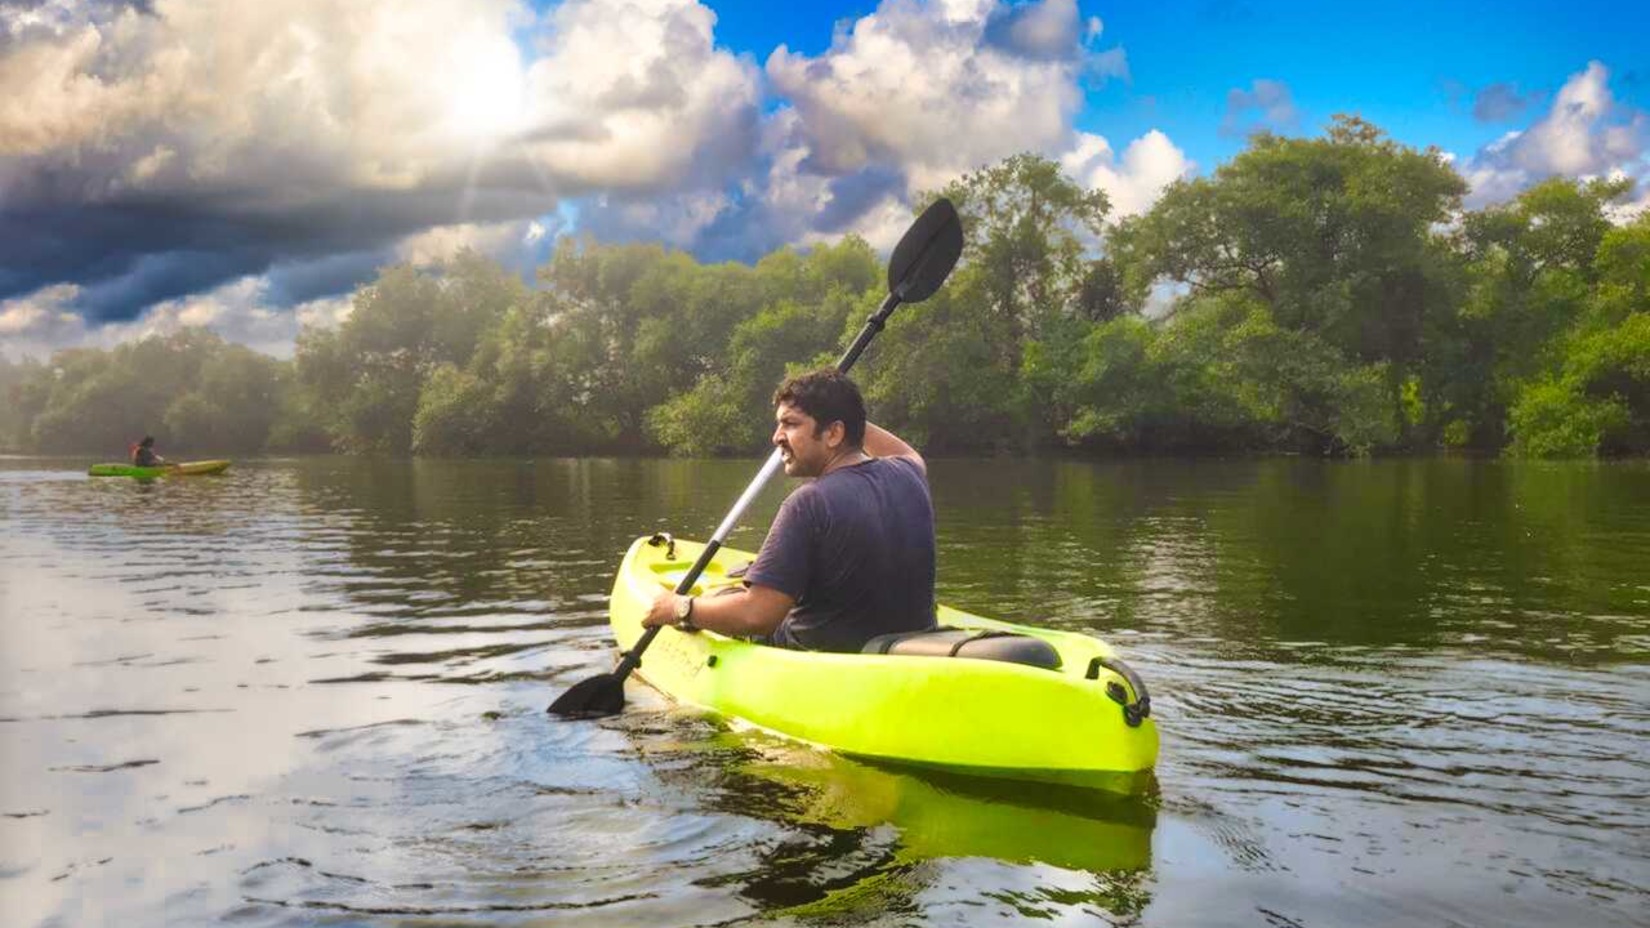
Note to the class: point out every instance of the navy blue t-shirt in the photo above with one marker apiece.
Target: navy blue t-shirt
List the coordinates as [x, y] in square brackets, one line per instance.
[855, 549]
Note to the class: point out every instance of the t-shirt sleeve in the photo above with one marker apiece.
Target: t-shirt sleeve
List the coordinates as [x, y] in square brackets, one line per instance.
[783, 563]
[910, 467]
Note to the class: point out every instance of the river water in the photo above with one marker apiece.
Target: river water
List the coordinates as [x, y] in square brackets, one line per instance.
[312, 692]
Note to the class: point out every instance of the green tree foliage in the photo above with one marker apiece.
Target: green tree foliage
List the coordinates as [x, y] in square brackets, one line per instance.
[1334, 237]
[368, 374]
[812, 298]
[1318, 295]
[191, 390]
[1530, 278]
[231, 402]
[1597, 401]
[23, 390]
[978, 366]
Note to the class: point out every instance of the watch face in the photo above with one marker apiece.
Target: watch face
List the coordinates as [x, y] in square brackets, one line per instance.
[683, 607]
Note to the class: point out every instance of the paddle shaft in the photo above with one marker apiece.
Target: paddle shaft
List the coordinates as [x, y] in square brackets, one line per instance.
[873, 325]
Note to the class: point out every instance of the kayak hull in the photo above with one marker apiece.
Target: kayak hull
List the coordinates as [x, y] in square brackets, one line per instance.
[976, 717]
[185, 469]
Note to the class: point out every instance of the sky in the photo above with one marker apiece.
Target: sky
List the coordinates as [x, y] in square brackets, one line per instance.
[245, 166]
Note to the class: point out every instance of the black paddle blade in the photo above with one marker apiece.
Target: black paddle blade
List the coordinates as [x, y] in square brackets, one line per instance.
[593, 698]
[926, 255]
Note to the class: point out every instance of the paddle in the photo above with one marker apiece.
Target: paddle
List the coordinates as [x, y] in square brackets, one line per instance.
[920, 263]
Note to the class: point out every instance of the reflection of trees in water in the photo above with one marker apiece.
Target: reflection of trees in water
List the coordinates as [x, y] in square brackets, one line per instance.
[497, 551]
[1410, 552]
[437, 539]
[430, 538]
[863, 841]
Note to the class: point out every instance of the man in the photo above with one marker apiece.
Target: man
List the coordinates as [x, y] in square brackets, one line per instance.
[144, 454]
[851, 555]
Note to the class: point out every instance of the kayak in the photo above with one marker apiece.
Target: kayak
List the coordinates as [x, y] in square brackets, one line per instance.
[185, 469]
[983, 698]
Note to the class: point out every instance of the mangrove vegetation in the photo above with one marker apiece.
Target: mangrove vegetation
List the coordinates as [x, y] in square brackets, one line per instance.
[1326, 296]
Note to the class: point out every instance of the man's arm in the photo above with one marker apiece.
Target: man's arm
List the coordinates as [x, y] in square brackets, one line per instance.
[881, 443]
[755, 610]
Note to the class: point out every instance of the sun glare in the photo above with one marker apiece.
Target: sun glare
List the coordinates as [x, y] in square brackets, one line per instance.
[482, 87]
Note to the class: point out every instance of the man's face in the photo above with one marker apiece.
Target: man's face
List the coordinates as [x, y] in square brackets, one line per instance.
[805, 453]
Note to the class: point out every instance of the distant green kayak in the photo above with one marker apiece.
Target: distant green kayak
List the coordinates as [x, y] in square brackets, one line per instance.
[987, 698]
[186, 469]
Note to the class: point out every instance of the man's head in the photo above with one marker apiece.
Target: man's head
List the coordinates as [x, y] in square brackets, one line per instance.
[147, 442]
[819, 416]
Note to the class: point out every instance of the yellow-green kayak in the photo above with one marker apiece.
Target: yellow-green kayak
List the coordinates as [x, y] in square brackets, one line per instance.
[1085, 721]
[185, 469]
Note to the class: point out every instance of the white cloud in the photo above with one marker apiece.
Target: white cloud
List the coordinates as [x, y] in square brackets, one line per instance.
[881, 225]
[924, 88]
[258, 154]
[1585, 133]
[501, 240]
[677, 221]
[255, 94]
[1042, 30]
[1563, 142]
[36, 325]
[1150, 163]
[369, 93]
[328, 313]
[1631, 206]
[43, 323]
[174, 146]
[910, 97]
[634, 94]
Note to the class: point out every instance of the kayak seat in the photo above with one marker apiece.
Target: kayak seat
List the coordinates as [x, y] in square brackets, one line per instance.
[988, 644]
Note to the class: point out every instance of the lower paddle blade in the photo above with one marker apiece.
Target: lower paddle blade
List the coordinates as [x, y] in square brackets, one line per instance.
[593, 698]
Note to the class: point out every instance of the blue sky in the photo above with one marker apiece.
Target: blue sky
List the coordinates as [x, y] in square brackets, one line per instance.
[245, 166]
[1413, 68]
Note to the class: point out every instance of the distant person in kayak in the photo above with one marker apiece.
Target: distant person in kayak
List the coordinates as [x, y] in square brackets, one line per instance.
[850, 556]
[143, 454]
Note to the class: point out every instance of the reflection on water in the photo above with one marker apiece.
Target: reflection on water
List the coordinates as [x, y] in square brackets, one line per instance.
[312, 692]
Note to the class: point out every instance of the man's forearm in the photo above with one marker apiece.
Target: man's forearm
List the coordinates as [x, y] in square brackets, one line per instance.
[739, 614]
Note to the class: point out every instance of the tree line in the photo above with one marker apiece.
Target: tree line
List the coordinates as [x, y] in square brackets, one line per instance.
[1323, 295]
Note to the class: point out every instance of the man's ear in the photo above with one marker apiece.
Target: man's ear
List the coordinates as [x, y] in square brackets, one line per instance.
[835, 434]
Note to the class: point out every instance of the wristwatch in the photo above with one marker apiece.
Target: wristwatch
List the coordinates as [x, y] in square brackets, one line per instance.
[684, 614]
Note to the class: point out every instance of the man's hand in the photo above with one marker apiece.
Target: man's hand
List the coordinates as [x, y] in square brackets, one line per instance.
[662, 612]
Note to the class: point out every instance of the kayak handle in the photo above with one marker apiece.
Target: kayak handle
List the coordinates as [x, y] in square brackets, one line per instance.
[1133, 712]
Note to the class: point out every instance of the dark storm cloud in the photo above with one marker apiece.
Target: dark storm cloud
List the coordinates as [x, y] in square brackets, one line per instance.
[293, 282]
[855, 195]
[126, 257]
[136, 168]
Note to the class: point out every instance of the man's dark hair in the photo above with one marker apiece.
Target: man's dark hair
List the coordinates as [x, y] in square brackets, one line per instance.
[147, 441]
[829, 396]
